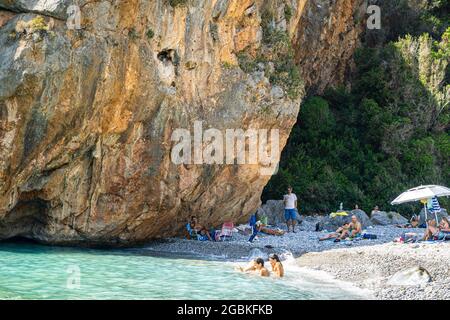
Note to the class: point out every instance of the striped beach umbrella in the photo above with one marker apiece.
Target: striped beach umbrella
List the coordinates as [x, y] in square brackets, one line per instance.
[422, 193]
[435, 207]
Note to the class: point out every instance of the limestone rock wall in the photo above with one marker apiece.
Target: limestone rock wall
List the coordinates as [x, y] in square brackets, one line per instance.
[325, 39]
[86, 116]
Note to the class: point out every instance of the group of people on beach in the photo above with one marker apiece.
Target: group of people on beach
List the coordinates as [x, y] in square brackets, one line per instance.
[434, 231]
[437, 231]
[195, 230]
[350, 229]
[257, 267]
[290, 216]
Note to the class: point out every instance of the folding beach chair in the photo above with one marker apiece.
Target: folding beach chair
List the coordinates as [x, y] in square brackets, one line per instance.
[227, 231]
[446, 236]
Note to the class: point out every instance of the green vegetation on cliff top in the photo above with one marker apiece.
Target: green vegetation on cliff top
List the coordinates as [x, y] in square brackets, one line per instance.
[388, 133]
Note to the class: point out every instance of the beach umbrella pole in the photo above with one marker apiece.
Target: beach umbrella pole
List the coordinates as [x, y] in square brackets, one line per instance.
[426, 214]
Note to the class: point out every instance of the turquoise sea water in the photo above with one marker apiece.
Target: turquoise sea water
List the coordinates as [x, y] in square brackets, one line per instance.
[29, 271]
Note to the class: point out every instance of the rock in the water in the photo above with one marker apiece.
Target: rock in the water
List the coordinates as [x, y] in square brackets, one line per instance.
[410, 277]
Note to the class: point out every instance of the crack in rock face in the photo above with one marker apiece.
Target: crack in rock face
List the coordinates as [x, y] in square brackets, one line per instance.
[87, 115]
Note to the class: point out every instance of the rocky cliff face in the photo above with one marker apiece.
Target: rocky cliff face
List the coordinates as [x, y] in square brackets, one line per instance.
[325, 40]
[87, 115]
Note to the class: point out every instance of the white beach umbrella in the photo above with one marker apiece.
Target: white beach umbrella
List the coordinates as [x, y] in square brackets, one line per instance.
[422, 193]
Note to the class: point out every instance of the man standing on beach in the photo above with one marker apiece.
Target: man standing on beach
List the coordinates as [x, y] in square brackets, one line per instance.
[290, 208]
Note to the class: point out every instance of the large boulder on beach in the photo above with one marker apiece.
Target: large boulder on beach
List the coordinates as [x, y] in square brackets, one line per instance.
[384, 218]
[362, 217]
[273, 210]
[410, 277]
[330, 224]
[309, 223]
[380, 218]
[442, 213]
[397, 218]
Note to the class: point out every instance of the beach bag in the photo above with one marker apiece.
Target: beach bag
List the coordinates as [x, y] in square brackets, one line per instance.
[319, 227]
[338, 214]
[369, 236]
[409, 237]
[264, 220]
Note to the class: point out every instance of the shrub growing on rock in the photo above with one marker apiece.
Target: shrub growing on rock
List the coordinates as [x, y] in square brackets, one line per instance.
[150, 34]
[36, 24]
[176, 3]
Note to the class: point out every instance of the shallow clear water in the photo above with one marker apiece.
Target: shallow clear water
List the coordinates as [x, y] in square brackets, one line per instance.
[29, 271]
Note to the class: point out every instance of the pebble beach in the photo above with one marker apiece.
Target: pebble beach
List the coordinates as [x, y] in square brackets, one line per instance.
[368, 264]
[372, 268]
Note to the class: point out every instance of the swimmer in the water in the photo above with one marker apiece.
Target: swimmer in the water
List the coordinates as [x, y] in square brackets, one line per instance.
[256, 266]
[277, 266]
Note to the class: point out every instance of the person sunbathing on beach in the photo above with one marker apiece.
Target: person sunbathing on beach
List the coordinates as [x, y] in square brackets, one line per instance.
[194, 224]
[264, 229]
[439, 232]
[259, 227]
[204, 235]
[191, 231]
[197, 231]
[375, 210]
[256, 266]
[353, 231]
[337, 233]
[272, 232]
[277, 266]
[413, 223]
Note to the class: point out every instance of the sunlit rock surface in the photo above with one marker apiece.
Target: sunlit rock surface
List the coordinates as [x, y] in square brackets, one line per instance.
[86, 116]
